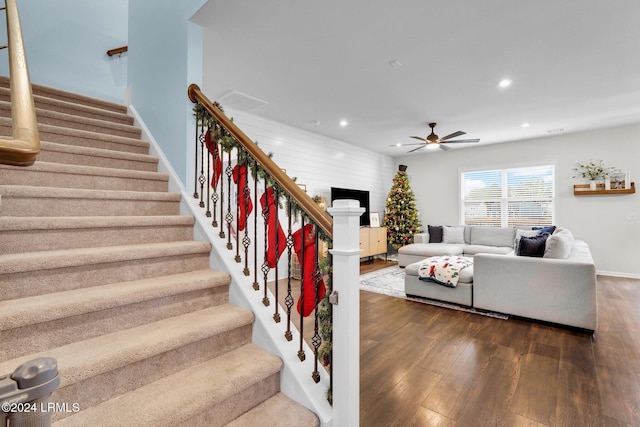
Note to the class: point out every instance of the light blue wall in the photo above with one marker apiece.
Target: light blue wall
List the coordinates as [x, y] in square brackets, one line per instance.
[66, 43]
[165, 50]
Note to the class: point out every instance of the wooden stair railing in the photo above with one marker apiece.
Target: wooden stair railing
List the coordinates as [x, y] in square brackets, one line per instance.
[118, 50]
[246, 194]
[23, 149]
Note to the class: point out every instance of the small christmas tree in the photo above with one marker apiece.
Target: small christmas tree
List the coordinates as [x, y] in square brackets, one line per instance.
[401, 216]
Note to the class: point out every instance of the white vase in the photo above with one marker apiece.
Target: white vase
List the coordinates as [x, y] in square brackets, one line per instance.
[592, 185]
[607, 183]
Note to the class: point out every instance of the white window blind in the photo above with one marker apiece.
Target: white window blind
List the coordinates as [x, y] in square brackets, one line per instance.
[510, 197]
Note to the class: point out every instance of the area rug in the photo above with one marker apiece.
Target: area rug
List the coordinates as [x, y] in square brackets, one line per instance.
[390, 281]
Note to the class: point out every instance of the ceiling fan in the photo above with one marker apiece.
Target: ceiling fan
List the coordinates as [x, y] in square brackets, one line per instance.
[433, 141]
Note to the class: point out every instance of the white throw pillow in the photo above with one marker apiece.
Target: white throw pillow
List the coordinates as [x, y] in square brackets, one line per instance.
[453, 235]
[558, 246]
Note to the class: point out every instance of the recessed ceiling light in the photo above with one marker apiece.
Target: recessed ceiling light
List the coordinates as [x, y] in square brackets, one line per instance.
[315, 122]
[343, 123]
[395, 64]
[525, 124]
[505, 83]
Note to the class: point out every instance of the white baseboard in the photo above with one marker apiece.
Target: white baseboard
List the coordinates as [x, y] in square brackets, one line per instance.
[618, 274]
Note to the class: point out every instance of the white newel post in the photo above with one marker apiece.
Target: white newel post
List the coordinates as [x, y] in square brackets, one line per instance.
[346, 313]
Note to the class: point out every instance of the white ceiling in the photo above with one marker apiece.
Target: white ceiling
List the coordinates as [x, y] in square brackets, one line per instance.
[575, 65]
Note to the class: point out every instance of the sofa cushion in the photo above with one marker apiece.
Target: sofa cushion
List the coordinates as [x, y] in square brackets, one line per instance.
[532, 246]
[559, 244]
[421, 238]
[453, 235]
[492, 236]
[466, 274]
[430, 249]
[435, 233]
[482, 249]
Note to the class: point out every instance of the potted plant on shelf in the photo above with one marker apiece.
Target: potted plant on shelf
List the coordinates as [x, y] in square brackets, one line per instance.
[591, 171]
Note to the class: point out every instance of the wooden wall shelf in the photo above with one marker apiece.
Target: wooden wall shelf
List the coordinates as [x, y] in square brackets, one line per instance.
[583, 190]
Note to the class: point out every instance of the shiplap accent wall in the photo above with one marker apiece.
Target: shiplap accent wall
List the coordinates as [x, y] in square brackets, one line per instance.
[320, 162]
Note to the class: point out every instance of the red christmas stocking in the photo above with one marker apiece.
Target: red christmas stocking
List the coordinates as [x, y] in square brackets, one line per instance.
[309, 290]
[268, 202]
[212, 147]
[240, 178]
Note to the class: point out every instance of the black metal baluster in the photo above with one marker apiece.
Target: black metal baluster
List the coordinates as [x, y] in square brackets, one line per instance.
[256, 285]
[216, 157]
[288, 300]
[201, 178]
[265, 264]
[246, 240]
[208, 178]
[317, 278]
[239, 197]
[221, 233]
[229, 217]
[301, 354]
[195, 166]
[276, 314]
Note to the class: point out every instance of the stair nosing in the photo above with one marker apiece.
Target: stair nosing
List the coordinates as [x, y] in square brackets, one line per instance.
[31, 310]
[50, 167]
[67, 258]
[97, 152]
[104, 353]
[18, 223]
[19, 191]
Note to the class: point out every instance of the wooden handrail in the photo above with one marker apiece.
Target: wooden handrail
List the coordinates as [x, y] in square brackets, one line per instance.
[118, 51]
[25, 145]
[317, 215]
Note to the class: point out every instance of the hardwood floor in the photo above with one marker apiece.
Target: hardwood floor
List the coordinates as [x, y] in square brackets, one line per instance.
[422, 365]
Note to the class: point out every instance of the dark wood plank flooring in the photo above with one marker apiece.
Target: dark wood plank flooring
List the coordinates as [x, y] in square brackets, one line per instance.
[422, 365]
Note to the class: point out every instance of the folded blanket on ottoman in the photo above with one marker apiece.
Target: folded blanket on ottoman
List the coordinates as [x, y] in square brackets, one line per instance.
[444, 270]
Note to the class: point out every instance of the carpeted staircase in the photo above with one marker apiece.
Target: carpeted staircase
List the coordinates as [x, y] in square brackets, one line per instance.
[99, 270]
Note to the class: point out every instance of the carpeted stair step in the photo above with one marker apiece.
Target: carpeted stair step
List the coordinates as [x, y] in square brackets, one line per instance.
[75, 155]
[98, 369]
[33, 234]
[83, 138]
[80, 110]
[50, 201]
[56, 118]
[45, 174]
[37, 273]
[50, 92]
[209, 394]
[277, 411]
[60, 318]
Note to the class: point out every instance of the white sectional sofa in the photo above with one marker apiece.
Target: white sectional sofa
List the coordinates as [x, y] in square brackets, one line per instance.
[557, 287]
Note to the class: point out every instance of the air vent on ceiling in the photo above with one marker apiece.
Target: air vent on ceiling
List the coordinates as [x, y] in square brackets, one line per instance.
[240, 101]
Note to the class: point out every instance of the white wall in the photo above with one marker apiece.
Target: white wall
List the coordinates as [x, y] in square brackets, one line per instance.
[165, 58]
[66, 43]
[599, 220]
[320, 162]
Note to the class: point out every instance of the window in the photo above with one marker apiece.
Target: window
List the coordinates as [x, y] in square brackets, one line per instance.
[511, 197]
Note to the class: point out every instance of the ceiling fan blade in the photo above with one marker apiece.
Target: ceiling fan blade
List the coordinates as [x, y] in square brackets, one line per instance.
[463, 141]
[453, 135]
[416, 149]
[404, 145]
[418, 137]
[444, 147]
